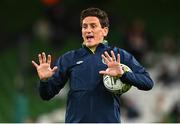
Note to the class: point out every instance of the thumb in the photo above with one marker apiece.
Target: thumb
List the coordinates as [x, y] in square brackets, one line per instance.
[55, 69]
[35, 64]
[103, 72]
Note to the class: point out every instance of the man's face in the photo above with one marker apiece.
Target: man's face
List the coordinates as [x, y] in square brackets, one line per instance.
[92, 32]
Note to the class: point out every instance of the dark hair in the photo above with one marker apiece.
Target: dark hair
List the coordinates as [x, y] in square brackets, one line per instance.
[100, 14]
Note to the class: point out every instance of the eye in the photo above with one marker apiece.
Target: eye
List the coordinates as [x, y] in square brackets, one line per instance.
[93, 26]
[84, 26]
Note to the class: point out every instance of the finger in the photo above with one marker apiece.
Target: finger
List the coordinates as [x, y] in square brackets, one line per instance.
[40, 58]
[55, 69]
[113, 56]
[107, 56]
[103, 72]
[105, 59]
[49, 59]
[43, 57]
[118, 58]
[35, 64]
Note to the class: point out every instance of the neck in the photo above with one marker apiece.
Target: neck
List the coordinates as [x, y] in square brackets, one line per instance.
[93, 49]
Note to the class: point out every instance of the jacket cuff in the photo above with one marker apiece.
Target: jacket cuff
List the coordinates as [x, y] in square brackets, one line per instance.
[43, 82]
[123, 78]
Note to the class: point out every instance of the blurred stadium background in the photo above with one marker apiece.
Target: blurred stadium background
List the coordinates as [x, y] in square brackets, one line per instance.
[150, 29]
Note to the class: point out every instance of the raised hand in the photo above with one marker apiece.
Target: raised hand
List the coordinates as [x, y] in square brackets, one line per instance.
[44, 68]
[114, 67]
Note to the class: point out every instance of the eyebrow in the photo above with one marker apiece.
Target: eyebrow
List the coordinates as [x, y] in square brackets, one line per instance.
[90, 23]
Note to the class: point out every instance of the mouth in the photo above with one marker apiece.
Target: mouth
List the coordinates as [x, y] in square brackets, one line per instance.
[89, 37]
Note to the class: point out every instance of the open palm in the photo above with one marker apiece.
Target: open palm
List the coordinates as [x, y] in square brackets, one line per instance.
[44, 68]
[114, 66]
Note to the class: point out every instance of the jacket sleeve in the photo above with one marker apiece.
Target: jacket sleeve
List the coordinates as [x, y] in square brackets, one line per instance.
[53, 85]
[139, 78]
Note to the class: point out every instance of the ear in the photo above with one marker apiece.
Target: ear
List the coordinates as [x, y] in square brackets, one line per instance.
[105, 31]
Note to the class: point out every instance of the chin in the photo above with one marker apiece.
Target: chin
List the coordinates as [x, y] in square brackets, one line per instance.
[90, 45]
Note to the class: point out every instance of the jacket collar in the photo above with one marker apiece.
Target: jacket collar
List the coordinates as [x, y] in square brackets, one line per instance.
[105, 42]
[100, 45]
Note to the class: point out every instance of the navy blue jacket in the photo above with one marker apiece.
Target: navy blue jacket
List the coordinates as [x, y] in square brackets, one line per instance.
[88, 99]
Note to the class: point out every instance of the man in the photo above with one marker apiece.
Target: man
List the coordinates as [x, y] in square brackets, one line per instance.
[88, 99]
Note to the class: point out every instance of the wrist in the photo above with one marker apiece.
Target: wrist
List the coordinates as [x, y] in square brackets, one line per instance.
[44, 80]
[120, 75]
[121, 72]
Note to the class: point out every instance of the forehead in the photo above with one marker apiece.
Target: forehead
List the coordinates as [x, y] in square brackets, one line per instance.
[90, 19]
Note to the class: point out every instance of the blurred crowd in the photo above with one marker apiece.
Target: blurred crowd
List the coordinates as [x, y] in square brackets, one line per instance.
[58, 28]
